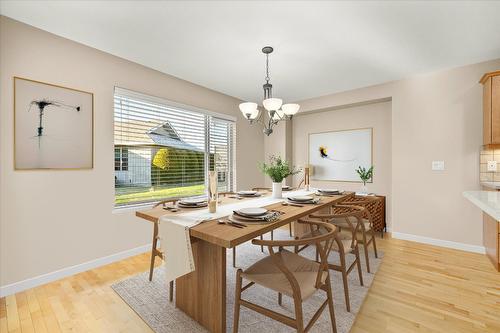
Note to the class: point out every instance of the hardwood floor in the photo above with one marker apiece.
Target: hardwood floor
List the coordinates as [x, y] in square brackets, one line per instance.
[418, 288]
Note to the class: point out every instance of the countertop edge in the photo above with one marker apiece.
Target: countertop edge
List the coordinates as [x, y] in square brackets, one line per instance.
[483, 206]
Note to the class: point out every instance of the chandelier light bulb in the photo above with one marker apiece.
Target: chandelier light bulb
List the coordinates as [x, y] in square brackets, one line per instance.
[290, 109]
[272, 104]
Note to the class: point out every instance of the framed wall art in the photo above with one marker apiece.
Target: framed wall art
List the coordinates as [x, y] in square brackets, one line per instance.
[53, 126]
[335, 156]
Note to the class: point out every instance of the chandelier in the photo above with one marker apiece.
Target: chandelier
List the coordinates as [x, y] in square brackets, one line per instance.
[276, 110]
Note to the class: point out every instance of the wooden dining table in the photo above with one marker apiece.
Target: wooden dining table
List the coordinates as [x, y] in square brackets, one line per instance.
[201, 294]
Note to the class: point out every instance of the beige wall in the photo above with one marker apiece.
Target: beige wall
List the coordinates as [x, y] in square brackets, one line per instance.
[437, 116]
[374, 115]
[50, 220]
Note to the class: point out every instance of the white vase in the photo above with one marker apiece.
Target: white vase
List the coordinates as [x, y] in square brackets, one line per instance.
[363, 189]
[277, 190]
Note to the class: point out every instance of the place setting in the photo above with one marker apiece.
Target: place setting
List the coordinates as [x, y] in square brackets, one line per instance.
[253, 215]
[187, 203]
[328, 192]
[301, 200]
[240, 195]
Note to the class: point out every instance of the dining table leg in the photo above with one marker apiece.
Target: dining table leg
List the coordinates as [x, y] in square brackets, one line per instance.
[202, 294]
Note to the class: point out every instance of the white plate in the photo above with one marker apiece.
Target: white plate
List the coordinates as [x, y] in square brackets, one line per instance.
[254, 211]
[301, 198]
[193, 201]
[247, 192]
[328, 190]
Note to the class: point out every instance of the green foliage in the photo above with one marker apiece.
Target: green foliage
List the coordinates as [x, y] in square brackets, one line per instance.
[161, 159]
[171, 166]
[277, 169]
[364, 174]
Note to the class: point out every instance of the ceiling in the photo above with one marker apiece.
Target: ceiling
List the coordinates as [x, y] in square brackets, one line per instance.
[320, 47]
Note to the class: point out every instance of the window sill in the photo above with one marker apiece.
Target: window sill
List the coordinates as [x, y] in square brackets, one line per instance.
[132, 208]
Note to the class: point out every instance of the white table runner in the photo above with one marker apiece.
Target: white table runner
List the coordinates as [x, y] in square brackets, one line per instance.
[173, 232]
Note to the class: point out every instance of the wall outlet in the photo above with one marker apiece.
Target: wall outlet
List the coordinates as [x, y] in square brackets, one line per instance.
[492, 166]
[438, 165]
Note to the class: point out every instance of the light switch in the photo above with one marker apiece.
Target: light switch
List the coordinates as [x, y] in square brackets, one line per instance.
[492, 166]
[438, 165]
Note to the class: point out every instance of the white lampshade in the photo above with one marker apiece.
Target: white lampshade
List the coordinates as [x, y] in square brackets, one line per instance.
[290, 109]
[255, 114]
[272, 104]
[248, 108]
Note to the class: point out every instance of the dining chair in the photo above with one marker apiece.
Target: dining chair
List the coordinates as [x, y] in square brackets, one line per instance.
[344, 244]
[371, 204]
[365, 227]
[288, 273]
[157, 253]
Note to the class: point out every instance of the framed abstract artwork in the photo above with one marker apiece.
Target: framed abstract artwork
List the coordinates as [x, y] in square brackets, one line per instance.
[53, 126]
[335, 156]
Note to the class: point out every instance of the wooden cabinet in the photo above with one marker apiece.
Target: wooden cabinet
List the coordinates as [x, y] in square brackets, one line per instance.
[491, 239]
[491, 108]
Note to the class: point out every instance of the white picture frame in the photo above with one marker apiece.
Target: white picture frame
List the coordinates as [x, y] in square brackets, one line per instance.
[53, 127]
[345, 151]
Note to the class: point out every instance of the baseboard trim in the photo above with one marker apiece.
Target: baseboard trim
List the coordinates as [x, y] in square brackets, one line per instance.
[72, 270]
[439, 242]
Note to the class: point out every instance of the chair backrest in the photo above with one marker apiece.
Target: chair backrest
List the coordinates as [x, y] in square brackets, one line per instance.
[372, 205]
[171, 200]
[322, 240]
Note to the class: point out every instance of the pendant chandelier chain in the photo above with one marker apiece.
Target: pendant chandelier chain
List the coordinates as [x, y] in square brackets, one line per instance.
[267, 78]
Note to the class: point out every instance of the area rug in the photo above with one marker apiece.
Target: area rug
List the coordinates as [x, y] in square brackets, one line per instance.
[150, 299]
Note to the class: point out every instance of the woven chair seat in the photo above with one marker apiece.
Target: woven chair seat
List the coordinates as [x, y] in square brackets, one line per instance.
[265, 273]
[345, 240]
[342, 223]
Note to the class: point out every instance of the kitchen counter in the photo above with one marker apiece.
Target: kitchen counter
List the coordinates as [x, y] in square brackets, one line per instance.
[488, 201]
[493, 185]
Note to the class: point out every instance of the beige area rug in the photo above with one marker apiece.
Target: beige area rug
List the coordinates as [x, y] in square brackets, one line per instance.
[150, 299]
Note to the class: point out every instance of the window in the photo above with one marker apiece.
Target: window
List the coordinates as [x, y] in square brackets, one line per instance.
[121, 159]
[165, 150]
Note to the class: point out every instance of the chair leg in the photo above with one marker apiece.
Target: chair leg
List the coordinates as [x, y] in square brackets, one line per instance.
[365, 246]
[272, 234]
[299, 319]
[237, 298]
[262, 246]
[358, 263]
[374, 244]
[280, 299]
[345, 281]
[330, 304]
[153, 251]
[290, 226]
[234, 257]
[171, 294]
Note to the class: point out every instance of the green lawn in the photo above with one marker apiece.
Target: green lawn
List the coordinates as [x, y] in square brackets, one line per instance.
[128, 195]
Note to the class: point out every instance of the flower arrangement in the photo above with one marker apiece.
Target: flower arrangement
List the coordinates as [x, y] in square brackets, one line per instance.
[364, 174]
[277, 169]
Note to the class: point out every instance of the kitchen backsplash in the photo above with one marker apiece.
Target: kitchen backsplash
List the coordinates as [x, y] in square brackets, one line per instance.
[484, 174]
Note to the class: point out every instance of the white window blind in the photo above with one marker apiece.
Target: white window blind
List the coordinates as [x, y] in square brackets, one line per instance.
[164, 150]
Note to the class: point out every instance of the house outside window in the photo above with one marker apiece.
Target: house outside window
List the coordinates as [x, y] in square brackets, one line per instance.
[164, 150]
[121, 159]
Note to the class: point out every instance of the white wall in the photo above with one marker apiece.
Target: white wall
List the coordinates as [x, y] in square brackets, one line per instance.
[437, 116]
[50, 220]
[375, 115]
